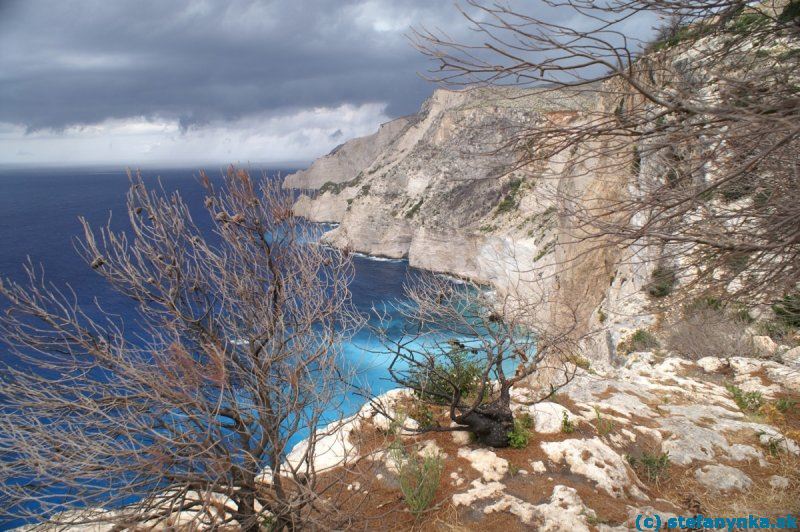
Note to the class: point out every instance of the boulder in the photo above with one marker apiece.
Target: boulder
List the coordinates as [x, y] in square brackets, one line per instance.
[792, 357]
[722, 478]
[778, 482]
[711, 364]
[486, 462]
[547, 417]
[764, 346]
[596, 461]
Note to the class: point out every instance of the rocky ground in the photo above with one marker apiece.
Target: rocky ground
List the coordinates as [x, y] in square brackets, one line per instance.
[659, 434]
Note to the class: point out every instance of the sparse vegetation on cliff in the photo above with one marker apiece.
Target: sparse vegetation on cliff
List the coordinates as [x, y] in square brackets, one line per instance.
[455, 350]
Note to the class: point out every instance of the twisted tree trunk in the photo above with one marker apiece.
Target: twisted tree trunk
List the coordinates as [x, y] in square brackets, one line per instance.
[490, 423]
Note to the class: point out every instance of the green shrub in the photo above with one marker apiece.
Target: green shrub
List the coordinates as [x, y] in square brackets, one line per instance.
[785, 404]
[335, 188]
[423, 415]
[509, 203]
[653, 466]
[774, 443]
[787, 310]
[640, 340]
[567, 426]
[580, 361]
[455, 367]
[419, 478]
[603, 426]
[518, 438]
[547, 248]
[746, 401]
[661, 282]
[413, 210]
[682, 34]
[791, 12]
[747, 22]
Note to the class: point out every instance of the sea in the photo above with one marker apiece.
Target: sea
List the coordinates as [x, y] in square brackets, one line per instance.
[39, 221]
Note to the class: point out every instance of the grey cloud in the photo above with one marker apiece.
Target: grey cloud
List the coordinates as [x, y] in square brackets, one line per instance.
[83, 61]
[75, 62]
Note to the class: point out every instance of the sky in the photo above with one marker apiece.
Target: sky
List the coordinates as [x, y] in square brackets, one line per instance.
[204, 81]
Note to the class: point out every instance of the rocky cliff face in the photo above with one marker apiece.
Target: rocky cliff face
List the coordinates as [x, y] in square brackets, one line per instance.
[348, 159]
[444, 192]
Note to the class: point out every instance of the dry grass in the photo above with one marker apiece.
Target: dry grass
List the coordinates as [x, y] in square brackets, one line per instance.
[707, 331]
[761, 499]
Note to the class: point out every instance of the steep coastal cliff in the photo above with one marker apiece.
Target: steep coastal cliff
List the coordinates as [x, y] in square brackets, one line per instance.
[443, 191]
[349, 158]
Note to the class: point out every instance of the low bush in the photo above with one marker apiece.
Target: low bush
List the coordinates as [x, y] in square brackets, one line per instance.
[652, 466]
[518, 438]
[785, 405]
[413, 210]
[456, 367]
[419, 478]
[661, 282]
[423, 415]
[640, 340]
[603, 426]
[567, 426]
[787, 310]
[706, 329]
[746, 401]
[509, 203]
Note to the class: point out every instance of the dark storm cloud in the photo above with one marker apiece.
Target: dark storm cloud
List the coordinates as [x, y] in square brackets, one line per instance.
[81, 62]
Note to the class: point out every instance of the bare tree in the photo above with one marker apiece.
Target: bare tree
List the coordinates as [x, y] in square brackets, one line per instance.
[466, 348]
[236, 355]
[698, 131]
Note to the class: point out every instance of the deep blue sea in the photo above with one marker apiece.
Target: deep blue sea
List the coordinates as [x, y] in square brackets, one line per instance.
[39, 212]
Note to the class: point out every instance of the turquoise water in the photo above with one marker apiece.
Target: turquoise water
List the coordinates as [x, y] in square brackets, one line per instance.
[39, 212]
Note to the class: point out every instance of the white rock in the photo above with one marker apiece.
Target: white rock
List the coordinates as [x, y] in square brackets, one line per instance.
[538, 467]
[778, 482]
[565, 512]
[764, 345]
[429, 448]
[742, 453]
[722, 478]
[596, 461]
[650, 432]
[332, 447]
[753, 383]
[640, 360]
[791, 357]
[487, 463]
[478, 491]
[711, 364]
[381, 411]
[772, 438]
[393, 421]
[547, 417]
[460, 437]
[524, 510]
